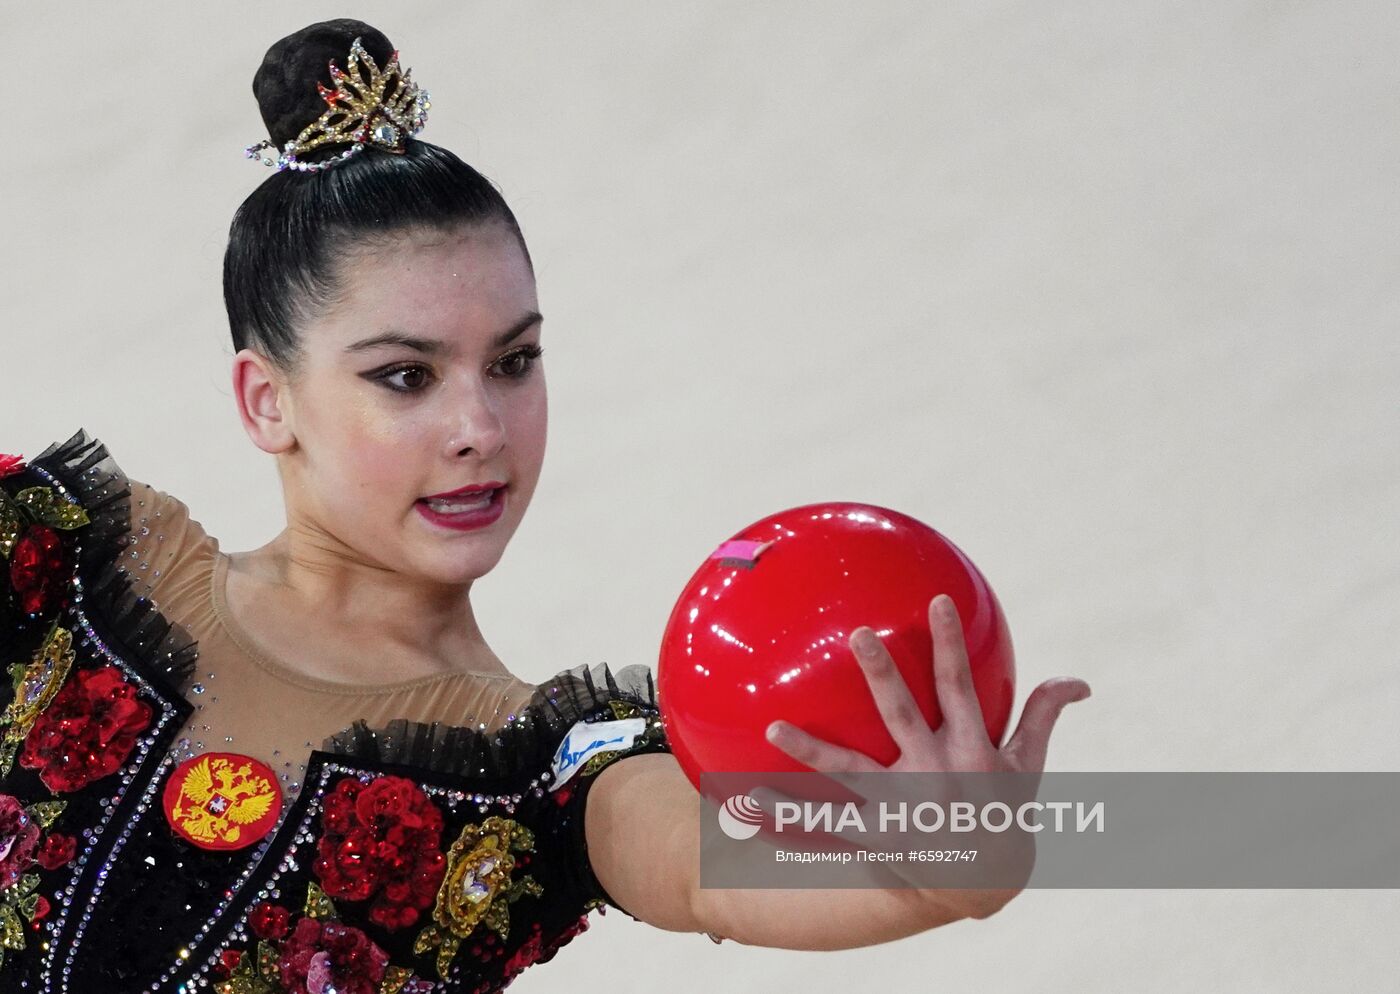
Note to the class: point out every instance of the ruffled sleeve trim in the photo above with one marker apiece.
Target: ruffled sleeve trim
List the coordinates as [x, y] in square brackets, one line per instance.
[83, 471]
[524, 745]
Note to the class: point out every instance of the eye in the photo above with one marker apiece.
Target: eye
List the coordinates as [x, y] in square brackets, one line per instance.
[405, 379]
[520, 362]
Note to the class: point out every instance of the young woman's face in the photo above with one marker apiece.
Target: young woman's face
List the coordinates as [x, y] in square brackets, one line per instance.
[421, 380]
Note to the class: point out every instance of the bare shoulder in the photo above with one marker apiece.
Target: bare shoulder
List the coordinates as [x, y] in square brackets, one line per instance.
[619, 798]
[642, 824]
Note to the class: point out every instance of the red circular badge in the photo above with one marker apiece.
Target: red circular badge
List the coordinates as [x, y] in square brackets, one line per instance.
[222, 800]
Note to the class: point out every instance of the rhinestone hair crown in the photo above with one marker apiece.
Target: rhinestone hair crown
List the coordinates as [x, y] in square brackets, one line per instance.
[368, 106]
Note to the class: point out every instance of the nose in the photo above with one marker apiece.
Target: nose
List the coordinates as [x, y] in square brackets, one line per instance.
[476, 424]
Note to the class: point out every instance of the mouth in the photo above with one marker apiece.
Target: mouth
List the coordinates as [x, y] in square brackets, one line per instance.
[473, 500]
[463, 511]
[470, 495]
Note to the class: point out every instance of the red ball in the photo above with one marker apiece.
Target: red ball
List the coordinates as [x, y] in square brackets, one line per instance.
[762, 632]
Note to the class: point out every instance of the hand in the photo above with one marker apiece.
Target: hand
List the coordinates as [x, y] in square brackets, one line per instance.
[960, 744]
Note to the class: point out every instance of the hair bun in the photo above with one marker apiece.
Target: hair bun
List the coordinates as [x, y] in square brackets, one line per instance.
[285, 83]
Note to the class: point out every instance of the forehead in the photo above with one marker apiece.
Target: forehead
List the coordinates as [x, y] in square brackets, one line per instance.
[470, 279]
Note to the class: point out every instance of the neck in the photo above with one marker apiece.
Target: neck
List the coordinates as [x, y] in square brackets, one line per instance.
[364, 613]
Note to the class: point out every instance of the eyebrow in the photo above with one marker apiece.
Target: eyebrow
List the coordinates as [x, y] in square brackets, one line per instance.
[430, 346]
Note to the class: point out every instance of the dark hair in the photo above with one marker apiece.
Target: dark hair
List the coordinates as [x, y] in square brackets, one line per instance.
[281, 264]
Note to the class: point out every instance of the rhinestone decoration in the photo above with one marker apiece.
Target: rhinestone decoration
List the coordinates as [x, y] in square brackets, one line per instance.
[367, 106]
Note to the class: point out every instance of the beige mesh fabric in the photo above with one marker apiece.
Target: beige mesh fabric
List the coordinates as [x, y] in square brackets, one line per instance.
[247, 702]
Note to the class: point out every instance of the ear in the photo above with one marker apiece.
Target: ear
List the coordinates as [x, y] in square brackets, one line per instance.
[259, 390]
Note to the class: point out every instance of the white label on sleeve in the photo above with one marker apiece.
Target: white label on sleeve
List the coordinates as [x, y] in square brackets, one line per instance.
[587, 739]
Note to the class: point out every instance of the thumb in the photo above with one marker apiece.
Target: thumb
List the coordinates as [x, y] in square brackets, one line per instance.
[1028, 744]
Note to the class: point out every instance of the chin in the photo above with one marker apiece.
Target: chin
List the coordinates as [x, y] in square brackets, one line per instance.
[460, 569]
[455, 557]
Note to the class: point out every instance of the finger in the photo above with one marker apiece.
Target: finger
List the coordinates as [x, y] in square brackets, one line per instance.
[820, 755]
[895, 701]
[1031, 739]
[952, 674]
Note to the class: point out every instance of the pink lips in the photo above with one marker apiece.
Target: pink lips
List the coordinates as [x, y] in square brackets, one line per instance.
[465, 520]
[472, 489]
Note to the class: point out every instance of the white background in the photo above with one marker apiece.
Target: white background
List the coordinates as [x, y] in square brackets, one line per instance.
[1103, 292]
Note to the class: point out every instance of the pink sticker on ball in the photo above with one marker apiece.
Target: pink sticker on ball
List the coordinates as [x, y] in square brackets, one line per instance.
[740, 552]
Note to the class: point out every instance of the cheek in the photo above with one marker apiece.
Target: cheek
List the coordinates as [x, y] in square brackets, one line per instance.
[363, 450]
[532, 424]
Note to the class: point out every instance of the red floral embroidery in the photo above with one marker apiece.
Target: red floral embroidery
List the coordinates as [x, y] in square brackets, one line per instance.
[10, 464]
[37, 572]
[534, 950]
[323, 956]
[57, 850]
[87, 732]
[527, 954]
[19, 840]
[270, 921]
[382, 840]
[228, 962]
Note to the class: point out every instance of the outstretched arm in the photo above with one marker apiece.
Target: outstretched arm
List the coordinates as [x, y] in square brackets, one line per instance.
[642, 822]
[642, 819]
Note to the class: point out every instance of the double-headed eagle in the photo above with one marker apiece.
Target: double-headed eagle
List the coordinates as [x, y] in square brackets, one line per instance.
[218, 797]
